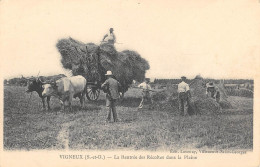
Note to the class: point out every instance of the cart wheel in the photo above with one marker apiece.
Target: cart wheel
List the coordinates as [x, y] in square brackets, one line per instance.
[92, 94]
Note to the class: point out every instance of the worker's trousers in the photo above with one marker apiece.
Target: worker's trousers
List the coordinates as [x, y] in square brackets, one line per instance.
[183, 100]
[111, 104]
[146, 98]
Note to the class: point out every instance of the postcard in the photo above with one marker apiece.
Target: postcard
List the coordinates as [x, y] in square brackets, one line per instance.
[129, 83]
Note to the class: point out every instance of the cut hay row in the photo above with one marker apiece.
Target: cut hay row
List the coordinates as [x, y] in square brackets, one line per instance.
[242, 92]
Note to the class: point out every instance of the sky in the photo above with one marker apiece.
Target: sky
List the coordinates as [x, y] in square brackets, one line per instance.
[216, 39]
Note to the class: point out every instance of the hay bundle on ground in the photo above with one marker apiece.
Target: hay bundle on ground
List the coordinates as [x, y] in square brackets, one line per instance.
[225, 104]
[93, 61]
[163, 101]
[203, 103]
[204, 106]
[166, 100]
[222, 90]
[198, 88]
[200, 102]
[160, 96]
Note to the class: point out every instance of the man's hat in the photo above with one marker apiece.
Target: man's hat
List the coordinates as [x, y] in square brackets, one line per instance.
[147, 79]
[109, 73]
[211, 84]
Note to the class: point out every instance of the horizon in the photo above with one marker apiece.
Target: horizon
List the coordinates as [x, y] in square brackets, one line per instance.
[152, 78]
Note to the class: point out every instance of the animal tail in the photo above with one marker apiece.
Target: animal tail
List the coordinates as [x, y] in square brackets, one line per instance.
[85, 89]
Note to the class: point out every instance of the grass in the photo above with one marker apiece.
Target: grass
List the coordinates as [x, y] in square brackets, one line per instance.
[27, 127]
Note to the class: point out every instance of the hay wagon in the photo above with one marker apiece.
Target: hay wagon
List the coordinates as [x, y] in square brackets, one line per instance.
[95, 76]
[92, 62]
[90, 67]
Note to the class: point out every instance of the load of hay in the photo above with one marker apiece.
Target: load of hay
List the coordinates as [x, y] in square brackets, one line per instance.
[92, 62]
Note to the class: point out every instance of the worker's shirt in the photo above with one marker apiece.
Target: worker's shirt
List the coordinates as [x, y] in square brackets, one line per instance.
[212, 89]
[110, 37]
[113, 87]
[146, 87]
[183, 87]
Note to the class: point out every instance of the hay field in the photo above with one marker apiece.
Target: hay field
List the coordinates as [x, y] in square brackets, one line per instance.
[26, 127]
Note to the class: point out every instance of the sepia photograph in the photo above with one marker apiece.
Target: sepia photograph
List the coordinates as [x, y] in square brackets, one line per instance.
[169, 83]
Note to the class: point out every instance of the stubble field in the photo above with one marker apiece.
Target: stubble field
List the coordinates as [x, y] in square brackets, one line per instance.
[28, 127]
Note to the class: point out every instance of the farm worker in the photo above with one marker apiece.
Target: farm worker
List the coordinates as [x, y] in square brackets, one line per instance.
[183, 94]
[213, 90]
[145, 86]
[111, 87]
[110, 37]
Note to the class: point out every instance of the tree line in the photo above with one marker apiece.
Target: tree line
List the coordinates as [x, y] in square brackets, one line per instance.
[23, 81]
[217, 81]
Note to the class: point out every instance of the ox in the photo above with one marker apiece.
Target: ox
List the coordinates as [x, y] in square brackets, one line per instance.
[37, 86]
[66, 88]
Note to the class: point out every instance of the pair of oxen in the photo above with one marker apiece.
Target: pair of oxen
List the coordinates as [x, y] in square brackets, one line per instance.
[64, 88]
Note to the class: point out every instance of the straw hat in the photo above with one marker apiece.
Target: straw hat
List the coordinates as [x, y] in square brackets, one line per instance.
[109, 73]
[147, 79]
[211, 84]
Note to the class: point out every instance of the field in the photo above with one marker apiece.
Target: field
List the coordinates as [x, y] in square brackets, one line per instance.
[28, 127]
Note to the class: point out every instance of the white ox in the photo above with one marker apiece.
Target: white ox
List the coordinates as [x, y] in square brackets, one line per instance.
[66, 88]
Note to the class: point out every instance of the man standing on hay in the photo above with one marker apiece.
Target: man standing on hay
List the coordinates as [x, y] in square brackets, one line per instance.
[111, 87]
[213, 91]
[110, 37]
[183, 94]
[146, 96]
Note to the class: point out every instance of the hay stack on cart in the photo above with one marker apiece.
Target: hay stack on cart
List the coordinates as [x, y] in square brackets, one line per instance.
[92, 62]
